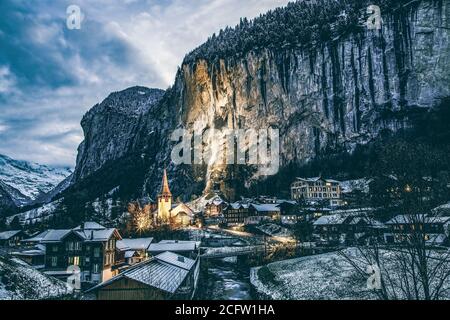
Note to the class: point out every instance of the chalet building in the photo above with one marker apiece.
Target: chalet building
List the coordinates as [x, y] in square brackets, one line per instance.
[11, 239]
[34, 257]
[215, 206]
[91, 247]
[167, 276]
[169, 213]
[331, 229]
[342, 229]
[263, 212]
[243, 213]
[189, 249]
[236, 214]
[435, 230]
[317, 190]
[132, 251]
[291, 213]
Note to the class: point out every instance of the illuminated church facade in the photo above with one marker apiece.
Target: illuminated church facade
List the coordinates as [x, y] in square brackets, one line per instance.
[170, 213]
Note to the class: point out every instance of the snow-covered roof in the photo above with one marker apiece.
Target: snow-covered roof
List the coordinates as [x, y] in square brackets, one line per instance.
[411, 219]
[38, 237]
[441, 220]
[89, 231]
[216, 200]
[239, 205]
[134, 244]
[55, 235]
[90, 226]
[176, 260]
[266, 207]
[97, 235]
[316, 179]
[181, 208]
[437, 239]
[197, 243]
[166, 272]
[291, 202]
[120, 245]
[330, 220]
[445, 206]
[129, 254]
[173, 247]
[8, 234]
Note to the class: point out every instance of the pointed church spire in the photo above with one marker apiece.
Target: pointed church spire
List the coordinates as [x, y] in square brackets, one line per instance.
[165, 191]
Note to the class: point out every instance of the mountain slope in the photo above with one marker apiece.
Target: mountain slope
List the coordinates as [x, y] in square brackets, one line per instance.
[25, 182]
[7, 204]
[110, 128]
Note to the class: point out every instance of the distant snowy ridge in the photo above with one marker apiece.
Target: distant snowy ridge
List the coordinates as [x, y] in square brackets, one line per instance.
[29, 181]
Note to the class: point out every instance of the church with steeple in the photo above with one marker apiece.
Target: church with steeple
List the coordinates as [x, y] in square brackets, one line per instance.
[164, 200]
[170, 213]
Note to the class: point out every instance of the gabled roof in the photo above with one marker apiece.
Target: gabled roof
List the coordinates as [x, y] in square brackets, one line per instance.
[55, 235]
[181, 207]
[237, 205]
[97, 235]
[165, 272]
[37, 237]
[173, 246]
[334, 219]
[407, 219]
[89, 232]
[286, 202]
[176, 260]
[90, 226]
[130, 254]
[8, 234]
[217, 201]
[197, 243]
[134, 244]
[266, 207]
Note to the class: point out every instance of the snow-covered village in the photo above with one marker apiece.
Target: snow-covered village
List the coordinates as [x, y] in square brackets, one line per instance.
[302, 152]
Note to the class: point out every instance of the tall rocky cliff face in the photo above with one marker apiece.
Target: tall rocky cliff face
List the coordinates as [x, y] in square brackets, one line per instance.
[332, 95]
[111, 128]
[338, 95]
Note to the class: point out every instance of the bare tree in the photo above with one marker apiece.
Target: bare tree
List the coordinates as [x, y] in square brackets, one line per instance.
[416, 266]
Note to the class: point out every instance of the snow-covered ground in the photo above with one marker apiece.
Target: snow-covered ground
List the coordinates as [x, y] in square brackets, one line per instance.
[322, 277]
[19, 281]
[275, 230]
[30, 180]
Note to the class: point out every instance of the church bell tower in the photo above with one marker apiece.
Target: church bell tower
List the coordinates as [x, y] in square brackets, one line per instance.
[164, 200]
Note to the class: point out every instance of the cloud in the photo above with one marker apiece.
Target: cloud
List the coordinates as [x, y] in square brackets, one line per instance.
[50, 75]
[7, 80]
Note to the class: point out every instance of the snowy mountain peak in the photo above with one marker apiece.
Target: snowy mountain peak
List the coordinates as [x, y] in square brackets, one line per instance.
[27, 181]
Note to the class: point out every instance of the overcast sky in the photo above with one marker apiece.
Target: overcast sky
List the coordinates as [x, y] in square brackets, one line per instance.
[50, 75]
